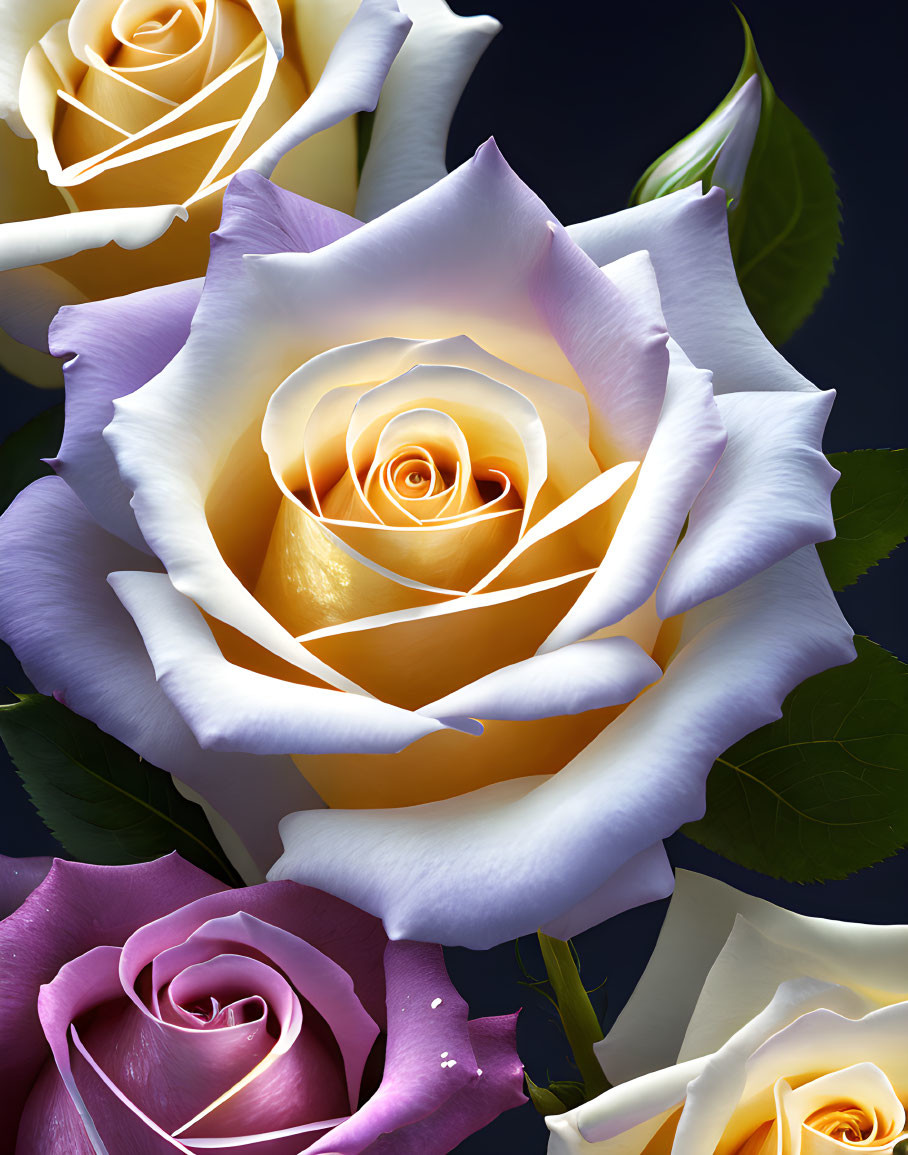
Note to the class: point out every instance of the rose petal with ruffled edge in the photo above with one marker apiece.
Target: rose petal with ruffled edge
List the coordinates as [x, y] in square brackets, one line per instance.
[686, 236]
[151, 326]
[407, 148]
[74, 638]
[425, 1017]
[351, 81]
[773, 461]
[228, 707]
[746, 946]
[584, 676]
[740, 656]
[53, 238]
[615, 341]
[688, 442]
[646, 877]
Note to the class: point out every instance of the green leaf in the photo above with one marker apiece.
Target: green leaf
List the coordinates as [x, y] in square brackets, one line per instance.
[21, 453]
[823, 792]
[545, 1101]
[98, 797]
[870, 508]
[788, 232]
[783, 205]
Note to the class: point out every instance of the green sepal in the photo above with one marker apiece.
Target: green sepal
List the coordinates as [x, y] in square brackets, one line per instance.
[543, 1099]
[823, 791]
[870, 510]
[21, 453]
[99, 799]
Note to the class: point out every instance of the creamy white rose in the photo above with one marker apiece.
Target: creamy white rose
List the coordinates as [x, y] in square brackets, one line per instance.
[754, 1031]
[124, 120]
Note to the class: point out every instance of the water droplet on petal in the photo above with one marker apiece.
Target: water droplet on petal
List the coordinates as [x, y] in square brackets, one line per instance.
[435, 1004]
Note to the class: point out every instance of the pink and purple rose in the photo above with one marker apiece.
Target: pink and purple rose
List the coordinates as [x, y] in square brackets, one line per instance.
[151, 1010]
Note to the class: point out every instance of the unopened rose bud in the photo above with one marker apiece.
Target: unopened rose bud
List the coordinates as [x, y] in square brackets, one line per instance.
[716, 153]
[719, 151]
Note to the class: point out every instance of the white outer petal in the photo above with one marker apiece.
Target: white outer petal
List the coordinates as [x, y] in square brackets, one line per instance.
[584, 676]
[646, 877]
[407, 149]
[230, 708]
[499, 862]
[686, 235]
[23, 26]
[351, 81]
[46, 239]
[666, 1010]
[710, 1087]
[767, 497]
[74, 638]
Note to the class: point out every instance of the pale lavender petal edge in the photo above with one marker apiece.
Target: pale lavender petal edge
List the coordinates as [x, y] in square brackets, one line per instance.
[114, 347]
[74, 639]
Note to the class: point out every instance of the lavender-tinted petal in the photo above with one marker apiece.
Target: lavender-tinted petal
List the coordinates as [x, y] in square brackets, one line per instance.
[741, 655]
[115, 347]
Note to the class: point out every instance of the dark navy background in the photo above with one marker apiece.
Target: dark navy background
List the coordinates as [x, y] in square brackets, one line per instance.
[581, 97]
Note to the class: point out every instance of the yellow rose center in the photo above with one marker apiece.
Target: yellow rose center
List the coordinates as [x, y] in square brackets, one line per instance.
[844, 1122]
[158, 102]
[417, 525]
[855, 1107]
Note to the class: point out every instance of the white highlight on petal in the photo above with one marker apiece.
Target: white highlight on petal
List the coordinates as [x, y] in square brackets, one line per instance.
[584, 676]
[229, 707]
[53, 238]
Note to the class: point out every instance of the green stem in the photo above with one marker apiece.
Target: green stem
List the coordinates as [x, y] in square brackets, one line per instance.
[577, 1015]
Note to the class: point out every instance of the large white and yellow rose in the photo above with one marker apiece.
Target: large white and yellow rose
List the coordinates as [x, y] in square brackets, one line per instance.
[438, 524]
[124, 120]
[754, 1031]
